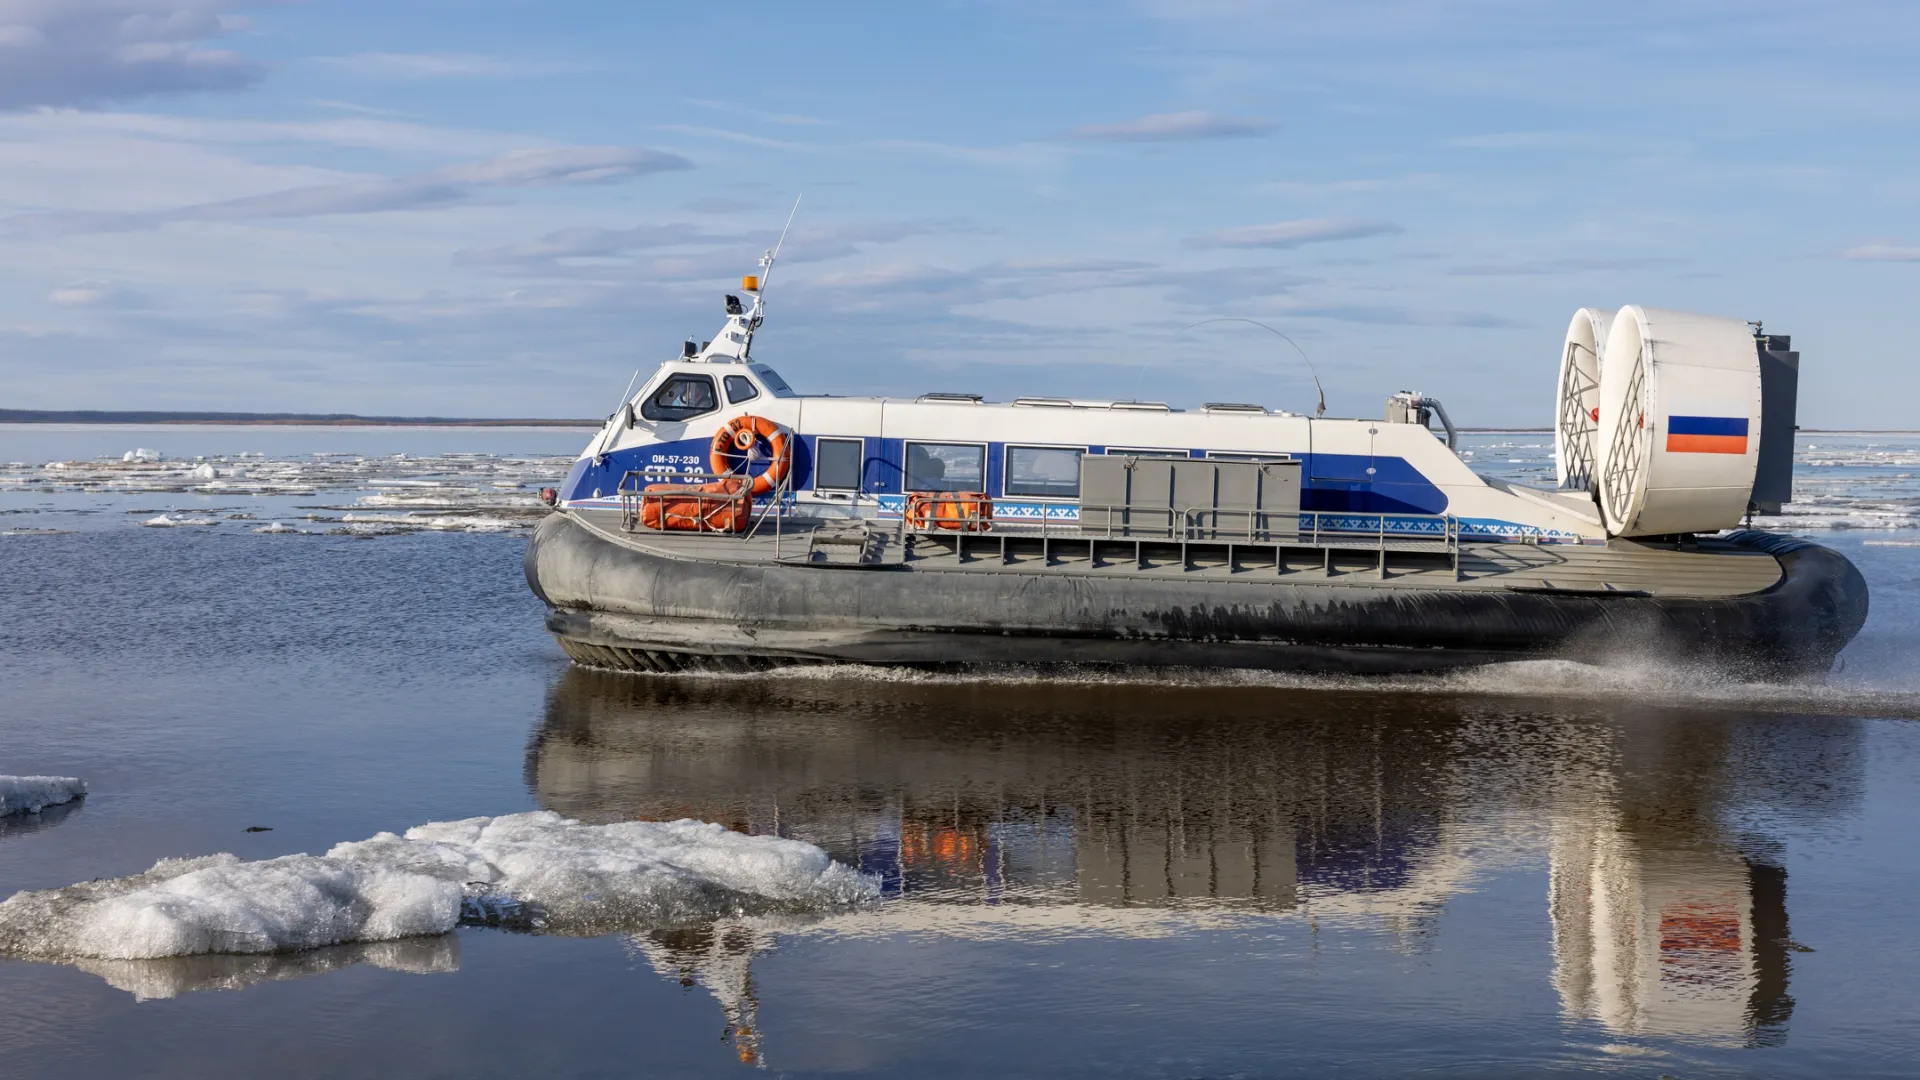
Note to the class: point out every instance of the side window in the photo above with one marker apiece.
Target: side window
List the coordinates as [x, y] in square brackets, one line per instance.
[1047, 472]
[1234, 455]
[740, 388]
[680, 397]
[946, 467]
[836, 464]
[773, 380]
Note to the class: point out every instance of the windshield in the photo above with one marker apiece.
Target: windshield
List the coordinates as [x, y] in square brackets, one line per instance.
[680, 397]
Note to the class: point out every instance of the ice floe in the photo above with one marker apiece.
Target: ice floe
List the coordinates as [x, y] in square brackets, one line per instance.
[276, 527]
[167, 521]
[436, 522]
[32, 794]
[535, 870]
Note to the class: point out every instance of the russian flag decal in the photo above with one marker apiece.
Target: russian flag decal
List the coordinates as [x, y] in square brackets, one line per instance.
[1706, 434]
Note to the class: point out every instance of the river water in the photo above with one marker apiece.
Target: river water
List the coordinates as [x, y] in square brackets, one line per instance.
[1536, 869]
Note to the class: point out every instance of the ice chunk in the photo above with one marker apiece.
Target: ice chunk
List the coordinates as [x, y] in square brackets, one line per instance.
[540, 868]
[166, 522]
[32, 794]
[142, 455]
[204, 472]
[437, 523]
[276, 527]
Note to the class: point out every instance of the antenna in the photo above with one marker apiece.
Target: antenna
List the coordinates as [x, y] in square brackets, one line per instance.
[1320, 407]
[766, 275]
[625, 400]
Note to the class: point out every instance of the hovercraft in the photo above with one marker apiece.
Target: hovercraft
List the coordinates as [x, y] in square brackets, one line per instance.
[721, 520]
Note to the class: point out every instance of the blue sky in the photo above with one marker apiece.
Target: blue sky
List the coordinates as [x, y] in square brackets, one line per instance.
[502, 207]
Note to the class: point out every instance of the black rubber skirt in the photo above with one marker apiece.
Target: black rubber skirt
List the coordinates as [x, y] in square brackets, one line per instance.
[618, 607]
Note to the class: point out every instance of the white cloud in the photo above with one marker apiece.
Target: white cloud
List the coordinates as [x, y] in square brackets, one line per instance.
[47, 125]
[589, 242]
[1172, 127]
[1292, 234]
[562, 165]
[1882, 252]
[1522, 140]
[1013, 156]
[1356, 186]
[731, 136]
[592, 251]
[418, 66]
[757, 114]
[449, 186]
[85, 52]
[93, 294]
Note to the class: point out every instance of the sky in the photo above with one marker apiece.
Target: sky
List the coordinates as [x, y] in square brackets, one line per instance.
[506, 207]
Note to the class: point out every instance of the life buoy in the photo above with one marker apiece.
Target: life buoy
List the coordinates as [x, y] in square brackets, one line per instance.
[958, 511]
[738, 435]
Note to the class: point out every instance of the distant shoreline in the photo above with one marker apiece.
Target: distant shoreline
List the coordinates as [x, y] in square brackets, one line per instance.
[239, 419]
[249, 419]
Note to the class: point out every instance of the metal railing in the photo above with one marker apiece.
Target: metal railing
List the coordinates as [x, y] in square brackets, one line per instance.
[634, 498]
[1329, 531]
[1309, 528]
[1378, 534]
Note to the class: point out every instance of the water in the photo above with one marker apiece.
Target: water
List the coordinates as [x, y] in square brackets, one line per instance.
[1538, 869]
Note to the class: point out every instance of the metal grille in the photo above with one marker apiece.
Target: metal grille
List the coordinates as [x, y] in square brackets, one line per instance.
[1627, 456]
[1577, 426]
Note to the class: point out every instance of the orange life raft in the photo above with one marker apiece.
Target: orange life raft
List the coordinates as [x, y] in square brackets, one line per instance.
[726, 504]
[955, 511]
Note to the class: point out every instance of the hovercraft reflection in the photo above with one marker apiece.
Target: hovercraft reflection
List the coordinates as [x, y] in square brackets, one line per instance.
[720, 519]
[1046, 811]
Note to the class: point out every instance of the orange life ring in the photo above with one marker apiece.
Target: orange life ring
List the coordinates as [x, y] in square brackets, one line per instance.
[958, 511]
[738, 435]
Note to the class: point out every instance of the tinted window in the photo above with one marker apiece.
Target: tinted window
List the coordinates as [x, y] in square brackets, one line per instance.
[680, 397]
[1046, 471]
[946, 467]
[836, 464]
[774, 382]
[1230, 455]
[740, 388]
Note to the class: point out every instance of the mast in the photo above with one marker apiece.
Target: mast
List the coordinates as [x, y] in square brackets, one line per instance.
[758, 313]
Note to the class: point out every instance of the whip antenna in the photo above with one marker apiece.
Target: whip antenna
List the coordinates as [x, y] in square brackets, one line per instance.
[766, 275]
[1320, 406]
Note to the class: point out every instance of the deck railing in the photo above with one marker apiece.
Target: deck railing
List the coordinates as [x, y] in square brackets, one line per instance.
[1383, 533]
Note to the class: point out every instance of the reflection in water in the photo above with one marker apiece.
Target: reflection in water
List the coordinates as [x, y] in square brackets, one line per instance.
[717, 958]
[46, 818]
[176, 975]
[1669, 920]
[1043, 809]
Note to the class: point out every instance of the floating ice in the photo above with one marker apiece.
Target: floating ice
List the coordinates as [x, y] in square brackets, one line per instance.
[32, 794]
[204, 472]
[276, 527]
[438, 522]
[166, 522]
[537, 868]
[142, 455]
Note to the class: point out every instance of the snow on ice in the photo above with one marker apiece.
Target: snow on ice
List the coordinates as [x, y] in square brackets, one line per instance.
[535, 868]
[32, 794]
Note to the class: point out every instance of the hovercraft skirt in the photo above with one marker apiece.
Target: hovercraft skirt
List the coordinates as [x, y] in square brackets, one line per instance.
[621, 602]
